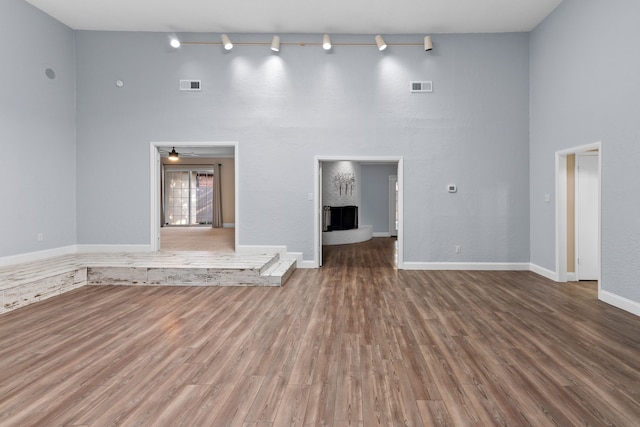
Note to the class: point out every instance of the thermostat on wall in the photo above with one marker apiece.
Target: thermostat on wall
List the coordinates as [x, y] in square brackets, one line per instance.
[452, 188]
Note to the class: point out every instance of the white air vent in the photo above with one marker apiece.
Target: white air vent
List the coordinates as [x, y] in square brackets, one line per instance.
[190, 85]
[421, 87]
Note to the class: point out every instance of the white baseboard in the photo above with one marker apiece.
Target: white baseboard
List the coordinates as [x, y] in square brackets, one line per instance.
[37, 256]
[228, 225]
[259, 249]
[381, 234]
[306, 264]
[112, 248]
[552, 275]
[571, 277]
[498, 266]
[622, 303]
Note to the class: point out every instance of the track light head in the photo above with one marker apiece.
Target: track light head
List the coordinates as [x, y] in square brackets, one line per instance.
[174, 41]
[381, 43]
[428, 44]
[173, 155]
[326, 42]
[275, 44]
[226, 42]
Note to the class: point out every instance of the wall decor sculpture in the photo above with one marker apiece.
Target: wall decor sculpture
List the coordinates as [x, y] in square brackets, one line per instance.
[344, 181]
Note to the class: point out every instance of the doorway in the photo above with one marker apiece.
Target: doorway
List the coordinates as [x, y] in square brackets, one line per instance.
[564, 201]
[319, 205]
[195, 154]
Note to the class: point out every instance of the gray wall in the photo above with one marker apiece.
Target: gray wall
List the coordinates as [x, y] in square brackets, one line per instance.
[374, 208]
[37, 131]
[285, 108]
[585, 86]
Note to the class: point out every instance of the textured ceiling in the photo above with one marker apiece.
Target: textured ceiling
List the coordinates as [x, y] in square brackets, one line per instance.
[296, 16]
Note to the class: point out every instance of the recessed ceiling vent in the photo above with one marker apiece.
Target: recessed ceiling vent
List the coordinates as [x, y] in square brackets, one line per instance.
[190, 85]
[421, 86]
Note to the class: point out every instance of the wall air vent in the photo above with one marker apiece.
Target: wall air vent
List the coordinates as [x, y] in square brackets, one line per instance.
[421, 86]
[190, 85]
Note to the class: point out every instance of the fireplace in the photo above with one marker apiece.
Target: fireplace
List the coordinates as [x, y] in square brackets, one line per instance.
[342, 217]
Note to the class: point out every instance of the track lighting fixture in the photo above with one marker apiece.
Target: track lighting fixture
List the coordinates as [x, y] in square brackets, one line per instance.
[226, 42]
[174, 41]
[275, 44]
[428, 44]
[326, 42]
[173, 155]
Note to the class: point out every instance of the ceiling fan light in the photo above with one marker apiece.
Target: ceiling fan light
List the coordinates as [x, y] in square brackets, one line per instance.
[173, 155]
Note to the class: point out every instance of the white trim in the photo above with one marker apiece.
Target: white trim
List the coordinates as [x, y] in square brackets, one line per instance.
[92, 249]
[551, 275]
[37, 256]
[392, 205]
[154, 179]
[317, 225]
[306, 264]
[381, 234]
[154, 197]
[262, 249]
[622, 303]
[488, 266]
[229, 225]
[571, 277]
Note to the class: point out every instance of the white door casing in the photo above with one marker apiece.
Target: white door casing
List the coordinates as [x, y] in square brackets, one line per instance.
[393, 182]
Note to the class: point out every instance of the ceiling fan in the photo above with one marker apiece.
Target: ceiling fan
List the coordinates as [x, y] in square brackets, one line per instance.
[174, 155]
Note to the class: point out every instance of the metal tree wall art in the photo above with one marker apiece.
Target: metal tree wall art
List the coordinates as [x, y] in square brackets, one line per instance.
[346, 181]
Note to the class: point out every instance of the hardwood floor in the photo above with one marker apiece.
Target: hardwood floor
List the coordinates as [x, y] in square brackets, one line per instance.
[221, 240]
[356, 343]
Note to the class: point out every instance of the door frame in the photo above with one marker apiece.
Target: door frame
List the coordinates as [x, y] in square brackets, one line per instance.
[561, 208]
[155, 178]
[393, 179]
[318, 208]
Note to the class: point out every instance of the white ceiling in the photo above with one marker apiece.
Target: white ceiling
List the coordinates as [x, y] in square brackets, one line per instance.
[298, 16]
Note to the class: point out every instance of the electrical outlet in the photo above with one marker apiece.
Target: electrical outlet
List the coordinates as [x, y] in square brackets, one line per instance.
[40, 237]
[457, 250]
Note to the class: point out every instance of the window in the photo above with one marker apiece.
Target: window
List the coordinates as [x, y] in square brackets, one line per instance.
[188, 196]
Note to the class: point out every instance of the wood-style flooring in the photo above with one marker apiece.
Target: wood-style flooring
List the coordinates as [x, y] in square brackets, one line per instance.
[221, 240]
[356, 343]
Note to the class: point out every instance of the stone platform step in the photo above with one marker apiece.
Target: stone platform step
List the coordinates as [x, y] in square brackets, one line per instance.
[22, 284]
